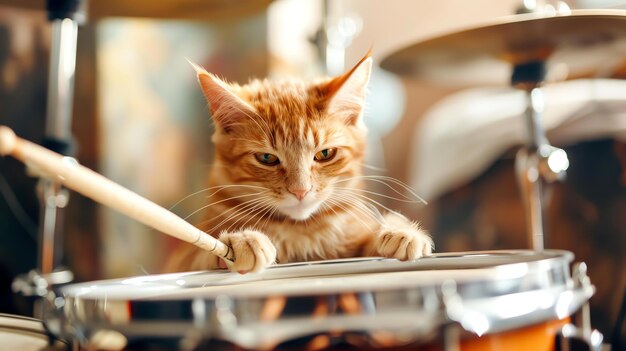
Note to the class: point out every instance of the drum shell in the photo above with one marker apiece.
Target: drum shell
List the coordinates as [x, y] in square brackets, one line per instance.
[391, 311]
[26, 334]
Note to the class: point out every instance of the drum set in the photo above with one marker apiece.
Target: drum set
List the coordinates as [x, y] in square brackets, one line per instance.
[494, 300]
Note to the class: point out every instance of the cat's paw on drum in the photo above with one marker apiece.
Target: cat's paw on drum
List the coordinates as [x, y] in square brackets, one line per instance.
[404, 244]
[253, 250]
[402, 239]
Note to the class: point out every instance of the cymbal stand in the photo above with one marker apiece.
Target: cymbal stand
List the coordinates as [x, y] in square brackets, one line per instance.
[335, 34]
[65, 16]
[538, 163]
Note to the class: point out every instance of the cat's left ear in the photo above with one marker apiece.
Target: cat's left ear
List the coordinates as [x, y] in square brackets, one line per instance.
[347, 92]
[226, 107]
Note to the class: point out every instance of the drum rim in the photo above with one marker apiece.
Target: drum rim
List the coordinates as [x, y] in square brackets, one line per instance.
[544, 260]
[29, 327]
[37, 326]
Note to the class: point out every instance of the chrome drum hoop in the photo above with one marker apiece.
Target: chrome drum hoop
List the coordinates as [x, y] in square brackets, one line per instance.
[484, 292]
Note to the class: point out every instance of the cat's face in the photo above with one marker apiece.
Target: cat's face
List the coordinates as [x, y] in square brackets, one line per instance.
[295, 139]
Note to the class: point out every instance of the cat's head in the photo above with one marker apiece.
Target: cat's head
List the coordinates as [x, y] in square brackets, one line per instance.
[294, 138]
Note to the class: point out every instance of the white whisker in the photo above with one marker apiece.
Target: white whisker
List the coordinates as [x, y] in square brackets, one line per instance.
[257, 207]
[224, 200]
[340, 205]
[368, 211]
[383, 180]
[220, 187]
[261, 216]
[268, 217]
[332, 224]
[371, 200]
[373, 168]
[239, 208]
[381, 195]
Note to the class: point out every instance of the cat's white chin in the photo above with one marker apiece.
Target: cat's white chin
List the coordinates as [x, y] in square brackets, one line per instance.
[299, 211]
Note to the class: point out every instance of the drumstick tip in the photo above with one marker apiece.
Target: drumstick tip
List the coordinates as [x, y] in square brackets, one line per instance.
[7, 140]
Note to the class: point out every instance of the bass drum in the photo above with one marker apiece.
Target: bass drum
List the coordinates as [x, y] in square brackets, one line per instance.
[499, 300]
[18, 333]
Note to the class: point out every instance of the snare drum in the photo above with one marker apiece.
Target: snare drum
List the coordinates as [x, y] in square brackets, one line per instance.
[26, 334]
[512, 300]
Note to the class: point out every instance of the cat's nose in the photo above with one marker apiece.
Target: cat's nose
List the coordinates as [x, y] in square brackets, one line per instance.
[299, 193]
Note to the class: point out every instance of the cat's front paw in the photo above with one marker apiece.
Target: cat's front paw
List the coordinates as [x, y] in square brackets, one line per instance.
[253, 250]
[404, 243]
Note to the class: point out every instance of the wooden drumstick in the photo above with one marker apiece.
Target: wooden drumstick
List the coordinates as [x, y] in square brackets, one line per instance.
[95, 186]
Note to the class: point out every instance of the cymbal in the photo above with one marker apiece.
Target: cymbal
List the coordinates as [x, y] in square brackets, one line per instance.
[582, 43]
[174, 9]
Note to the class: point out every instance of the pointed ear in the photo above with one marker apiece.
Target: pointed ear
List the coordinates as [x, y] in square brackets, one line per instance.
[226, 107]
[347, 92]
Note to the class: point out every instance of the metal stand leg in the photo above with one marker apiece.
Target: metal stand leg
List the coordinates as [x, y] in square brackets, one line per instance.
[528, 169]
[337, 31]
[61, 79]
[58, 130]
[64, 15]
[54, 198]
[538, 163]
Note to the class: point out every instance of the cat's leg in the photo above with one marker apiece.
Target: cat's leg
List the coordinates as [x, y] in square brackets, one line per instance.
[400, 238]
[253, 251]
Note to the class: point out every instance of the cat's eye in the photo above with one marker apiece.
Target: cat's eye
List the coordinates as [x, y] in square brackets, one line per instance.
[325, 155]
[267, 159]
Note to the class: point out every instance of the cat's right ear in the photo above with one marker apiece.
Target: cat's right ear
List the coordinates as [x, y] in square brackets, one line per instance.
[226, 107]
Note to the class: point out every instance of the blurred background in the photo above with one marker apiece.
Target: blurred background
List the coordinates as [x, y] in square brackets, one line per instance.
[140, 119]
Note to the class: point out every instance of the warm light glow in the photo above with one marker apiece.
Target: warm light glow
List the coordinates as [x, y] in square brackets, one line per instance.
[530, 4]
[549, 10]
[564, 8]
[558, 161]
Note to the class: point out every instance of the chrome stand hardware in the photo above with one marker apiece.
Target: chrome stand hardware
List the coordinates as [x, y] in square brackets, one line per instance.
[35, 284]
[47, 302]
[580, 337]
[538, 163]
[65, 15]
[571, 338]
[582, 281]
[335, 35]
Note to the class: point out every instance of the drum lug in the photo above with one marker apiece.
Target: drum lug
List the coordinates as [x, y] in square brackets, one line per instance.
[221, 319]
[453, 305]
[580, 337]
[571, 338]
[582, 281]
[224, 315]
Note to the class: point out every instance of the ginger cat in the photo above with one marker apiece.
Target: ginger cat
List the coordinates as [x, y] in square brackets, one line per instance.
[286, 183]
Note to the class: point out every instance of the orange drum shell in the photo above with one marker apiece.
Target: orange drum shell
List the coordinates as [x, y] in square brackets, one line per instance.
[538, 337]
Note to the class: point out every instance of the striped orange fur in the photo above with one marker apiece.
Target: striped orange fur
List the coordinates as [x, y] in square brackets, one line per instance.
[286, 179]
